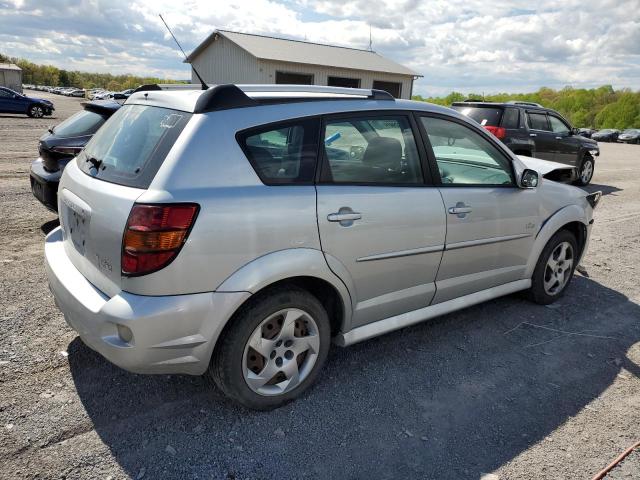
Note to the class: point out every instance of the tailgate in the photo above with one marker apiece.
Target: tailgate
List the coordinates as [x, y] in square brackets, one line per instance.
[93, 215]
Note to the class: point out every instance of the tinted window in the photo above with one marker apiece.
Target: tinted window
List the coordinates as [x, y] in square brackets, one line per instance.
[371, 150]
[464, 157]
[538, 121]
[285, 154]
[132, 144]
[82, 123]
[6, 94]
[483, 115]
[511, 118]
[557, 125]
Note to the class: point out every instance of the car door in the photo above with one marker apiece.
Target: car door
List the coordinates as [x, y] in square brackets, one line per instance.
[382, 228]
[541, 134]
[491, 223]
[8, 102]
[567, 144]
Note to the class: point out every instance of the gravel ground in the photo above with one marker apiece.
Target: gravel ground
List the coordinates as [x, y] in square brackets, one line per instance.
[506, 388]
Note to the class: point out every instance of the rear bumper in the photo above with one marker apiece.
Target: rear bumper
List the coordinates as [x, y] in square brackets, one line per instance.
[44, 185]
[142, 334]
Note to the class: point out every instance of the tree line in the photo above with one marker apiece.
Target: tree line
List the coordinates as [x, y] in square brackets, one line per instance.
[34, 74]
[601, 107]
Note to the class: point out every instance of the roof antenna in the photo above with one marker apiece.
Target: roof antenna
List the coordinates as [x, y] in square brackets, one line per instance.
[204, 85]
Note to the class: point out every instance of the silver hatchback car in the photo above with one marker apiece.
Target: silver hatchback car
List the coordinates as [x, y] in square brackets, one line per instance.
[238, 230]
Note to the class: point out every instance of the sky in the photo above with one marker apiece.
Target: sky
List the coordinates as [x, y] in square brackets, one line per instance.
[476, 46]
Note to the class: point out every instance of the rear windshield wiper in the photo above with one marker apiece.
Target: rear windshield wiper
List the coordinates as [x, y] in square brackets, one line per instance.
[95, 162]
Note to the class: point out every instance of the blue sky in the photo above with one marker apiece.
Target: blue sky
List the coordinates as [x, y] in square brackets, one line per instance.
[464, 45]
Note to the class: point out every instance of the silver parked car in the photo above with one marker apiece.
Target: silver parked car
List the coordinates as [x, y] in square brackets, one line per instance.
[239, 230]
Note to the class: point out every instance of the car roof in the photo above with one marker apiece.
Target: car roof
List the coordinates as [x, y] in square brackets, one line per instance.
[315, 99]
[513, 104]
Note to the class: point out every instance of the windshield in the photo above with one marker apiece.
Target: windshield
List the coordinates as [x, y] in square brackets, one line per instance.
[607, 131]
[631, 131]
[132, 144]
[485, 116]
[82, 123]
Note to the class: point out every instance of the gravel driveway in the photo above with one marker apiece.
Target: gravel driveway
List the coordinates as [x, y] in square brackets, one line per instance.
[507, 388]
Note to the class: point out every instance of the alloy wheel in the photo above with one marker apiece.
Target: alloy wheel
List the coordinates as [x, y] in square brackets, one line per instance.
[587, 171]
[281, 352]
[558, 269]
[37, 112]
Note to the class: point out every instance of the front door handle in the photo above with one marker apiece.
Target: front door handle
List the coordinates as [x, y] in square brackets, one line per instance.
[460, 210]
[342, 217]
[345, 216]
[533, 134]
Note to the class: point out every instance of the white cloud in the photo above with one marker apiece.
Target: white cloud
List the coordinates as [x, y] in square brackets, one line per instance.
[466, 45]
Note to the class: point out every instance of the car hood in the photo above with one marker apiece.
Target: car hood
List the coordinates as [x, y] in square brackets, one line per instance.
[35, 99]
[543, 166]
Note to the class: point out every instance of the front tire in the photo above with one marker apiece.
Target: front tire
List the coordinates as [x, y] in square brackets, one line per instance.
[585, 174]
[36, 111]
[554, 269]
[273, 350]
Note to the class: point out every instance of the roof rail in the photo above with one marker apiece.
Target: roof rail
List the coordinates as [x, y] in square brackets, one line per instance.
[221, 97]
[519, 102]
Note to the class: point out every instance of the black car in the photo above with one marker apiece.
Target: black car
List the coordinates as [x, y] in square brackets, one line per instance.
[606, 135]
[14, 102]
[123, 95]
[61, 144]
[630, 135]
[534, 131]
[586, 132]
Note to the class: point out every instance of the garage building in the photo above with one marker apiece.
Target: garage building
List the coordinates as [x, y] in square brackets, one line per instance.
[232, 57]
[11, 76]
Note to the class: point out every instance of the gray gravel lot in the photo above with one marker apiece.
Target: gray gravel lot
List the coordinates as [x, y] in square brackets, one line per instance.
[510, 388]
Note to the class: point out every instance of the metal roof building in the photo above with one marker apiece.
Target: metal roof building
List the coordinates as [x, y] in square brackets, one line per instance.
[232, 57]
[11, 76]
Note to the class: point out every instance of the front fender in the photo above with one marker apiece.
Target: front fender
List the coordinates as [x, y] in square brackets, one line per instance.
[284, 264]
[568, 214]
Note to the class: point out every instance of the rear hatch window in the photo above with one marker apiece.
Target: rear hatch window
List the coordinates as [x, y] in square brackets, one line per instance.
[80, 124]
[131, 146]
[485, 116]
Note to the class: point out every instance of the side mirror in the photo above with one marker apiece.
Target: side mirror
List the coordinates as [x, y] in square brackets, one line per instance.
[529, 179]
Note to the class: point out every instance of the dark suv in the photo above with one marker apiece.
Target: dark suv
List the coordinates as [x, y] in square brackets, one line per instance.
[534, 131]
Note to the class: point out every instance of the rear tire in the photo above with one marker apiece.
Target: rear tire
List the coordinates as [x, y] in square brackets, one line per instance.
[291, 333]
[585, 173]
[554, 270]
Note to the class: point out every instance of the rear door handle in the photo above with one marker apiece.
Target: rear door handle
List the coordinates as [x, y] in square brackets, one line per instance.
[344, 217]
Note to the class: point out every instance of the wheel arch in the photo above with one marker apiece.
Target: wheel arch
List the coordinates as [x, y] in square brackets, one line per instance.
[571, 218]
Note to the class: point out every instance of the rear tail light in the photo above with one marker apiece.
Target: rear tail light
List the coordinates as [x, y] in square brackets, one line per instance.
[154, 235]
[499, 132]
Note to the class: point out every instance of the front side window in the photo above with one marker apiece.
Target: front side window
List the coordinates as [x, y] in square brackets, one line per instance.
[557, 125]
[131, 146]
[371, 150]
[464, 157]
[538, 121]
[5, 94]
[283, 154]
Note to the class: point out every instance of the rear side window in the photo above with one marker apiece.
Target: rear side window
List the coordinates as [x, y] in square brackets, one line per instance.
[82, 123]
[283, 154]
[485, 116]
[131, 146]
[511, 118]
[538, 121]
[371, 150]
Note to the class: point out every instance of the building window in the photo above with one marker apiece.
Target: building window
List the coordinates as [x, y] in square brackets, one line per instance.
[343, 82]
[393, 88]
[294, 78]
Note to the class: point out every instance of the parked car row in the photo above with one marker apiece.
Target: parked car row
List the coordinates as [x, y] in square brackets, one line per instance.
[91, 94]
[630, 135]
[140, 264]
